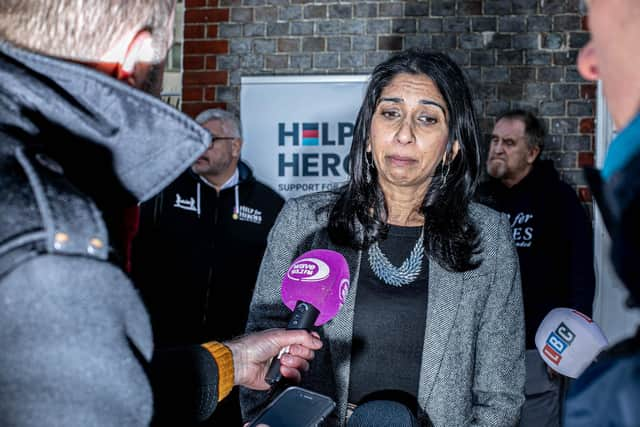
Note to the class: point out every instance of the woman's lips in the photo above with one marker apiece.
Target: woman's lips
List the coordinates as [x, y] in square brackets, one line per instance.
[401, 160]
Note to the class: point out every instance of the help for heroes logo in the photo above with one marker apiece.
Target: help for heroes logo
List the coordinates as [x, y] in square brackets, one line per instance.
[319, 156]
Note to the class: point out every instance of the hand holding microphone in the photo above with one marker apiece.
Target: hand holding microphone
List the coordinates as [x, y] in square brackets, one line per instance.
[314, 288]
[252, 354]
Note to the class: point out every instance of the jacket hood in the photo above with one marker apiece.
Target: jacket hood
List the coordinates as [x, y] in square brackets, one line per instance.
[245, 174]
[543, 170]
[72, 108]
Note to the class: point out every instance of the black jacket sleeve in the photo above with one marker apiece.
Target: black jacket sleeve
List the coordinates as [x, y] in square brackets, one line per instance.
[185, 385]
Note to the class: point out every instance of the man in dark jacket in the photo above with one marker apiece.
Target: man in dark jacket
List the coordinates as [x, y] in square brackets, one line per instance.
[608, 392]
[79, 143]
[553, 236]
[199, 247]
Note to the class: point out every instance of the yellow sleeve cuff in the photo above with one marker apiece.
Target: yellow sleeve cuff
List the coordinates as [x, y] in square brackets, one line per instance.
[224, 360]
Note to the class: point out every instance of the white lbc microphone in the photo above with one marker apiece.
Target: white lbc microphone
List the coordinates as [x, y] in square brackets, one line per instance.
[569, 341]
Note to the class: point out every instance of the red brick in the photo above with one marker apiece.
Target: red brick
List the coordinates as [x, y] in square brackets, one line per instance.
[587, 126]
[389, 42]
[194, 108]
[206, 15]
[584, 193]
[588, 91]
[189, 4]
[205, 46]
[212, 62]
[210, 94]
[192, 94]
[194, 31]
[193, 62]
[212, 31]
[585, 159]
[195, 78]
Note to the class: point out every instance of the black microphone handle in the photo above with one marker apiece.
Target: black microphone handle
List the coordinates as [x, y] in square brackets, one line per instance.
[302, 317]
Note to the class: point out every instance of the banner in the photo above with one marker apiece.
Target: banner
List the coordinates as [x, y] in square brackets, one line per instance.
[297, 130]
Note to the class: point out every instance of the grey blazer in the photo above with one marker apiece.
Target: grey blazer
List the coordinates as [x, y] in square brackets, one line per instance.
[472, 371]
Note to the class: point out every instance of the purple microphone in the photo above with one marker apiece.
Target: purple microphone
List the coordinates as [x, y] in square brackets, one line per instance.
[314, 288]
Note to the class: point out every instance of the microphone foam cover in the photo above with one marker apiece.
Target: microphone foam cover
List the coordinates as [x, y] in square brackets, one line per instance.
[319, 277]
[569, 341]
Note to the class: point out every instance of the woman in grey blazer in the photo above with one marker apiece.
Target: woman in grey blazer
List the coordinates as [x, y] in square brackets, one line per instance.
[433, 319]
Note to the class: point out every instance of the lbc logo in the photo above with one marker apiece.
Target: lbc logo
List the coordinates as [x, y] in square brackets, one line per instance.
[557, 343]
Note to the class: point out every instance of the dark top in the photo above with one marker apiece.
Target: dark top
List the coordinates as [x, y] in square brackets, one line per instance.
[386, 317]
[553, 236]
[194, 263]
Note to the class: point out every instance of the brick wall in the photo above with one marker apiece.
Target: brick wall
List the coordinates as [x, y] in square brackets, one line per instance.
[202, 78]
[517, 53]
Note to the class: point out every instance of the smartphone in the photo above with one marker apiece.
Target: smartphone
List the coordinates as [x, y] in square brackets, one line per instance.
[295, 407]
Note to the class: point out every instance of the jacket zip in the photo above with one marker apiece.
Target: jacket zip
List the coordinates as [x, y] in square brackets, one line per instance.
[208, 293]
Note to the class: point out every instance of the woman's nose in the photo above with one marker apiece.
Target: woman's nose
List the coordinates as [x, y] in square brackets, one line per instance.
[405, 133]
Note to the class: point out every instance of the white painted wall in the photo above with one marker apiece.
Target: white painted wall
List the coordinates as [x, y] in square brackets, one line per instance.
[610, 312]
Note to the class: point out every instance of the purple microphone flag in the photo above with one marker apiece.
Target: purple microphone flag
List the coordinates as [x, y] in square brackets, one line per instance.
[319, 277]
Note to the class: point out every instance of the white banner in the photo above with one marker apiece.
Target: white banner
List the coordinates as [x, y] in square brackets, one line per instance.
[297, 130]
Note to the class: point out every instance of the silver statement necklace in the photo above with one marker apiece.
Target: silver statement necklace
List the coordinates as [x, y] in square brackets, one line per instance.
[392, 275]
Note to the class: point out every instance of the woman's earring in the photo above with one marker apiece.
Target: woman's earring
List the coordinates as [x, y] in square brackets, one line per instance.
[369, 165]
[445, 171]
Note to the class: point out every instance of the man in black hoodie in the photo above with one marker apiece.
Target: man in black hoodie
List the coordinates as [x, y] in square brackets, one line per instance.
[553, 236]
[199, 247]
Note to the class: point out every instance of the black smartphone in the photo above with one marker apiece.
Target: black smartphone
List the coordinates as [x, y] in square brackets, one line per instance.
[295, 407]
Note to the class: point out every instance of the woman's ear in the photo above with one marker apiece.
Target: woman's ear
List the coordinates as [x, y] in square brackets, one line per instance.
[448, 156]
[454, 150]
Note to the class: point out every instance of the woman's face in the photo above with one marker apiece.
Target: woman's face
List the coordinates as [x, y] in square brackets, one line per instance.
[409, 133]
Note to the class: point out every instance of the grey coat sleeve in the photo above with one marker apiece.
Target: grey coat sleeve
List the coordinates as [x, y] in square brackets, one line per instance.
[498, 389]
[74, 341]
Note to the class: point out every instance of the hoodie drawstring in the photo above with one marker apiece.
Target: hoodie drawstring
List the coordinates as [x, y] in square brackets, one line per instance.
[236, 208]
[198, 200]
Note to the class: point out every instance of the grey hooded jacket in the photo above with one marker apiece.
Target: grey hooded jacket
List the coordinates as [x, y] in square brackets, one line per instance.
[76, 147]
[472, 371]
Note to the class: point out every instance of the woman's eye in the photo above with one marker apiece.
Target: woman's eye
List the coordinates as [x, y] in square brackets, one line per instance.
[389, 114]
[428, 120]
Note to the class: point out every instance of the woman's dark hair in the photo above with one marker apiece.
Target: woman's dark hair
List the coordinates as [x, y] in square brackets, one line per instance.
[450, 237]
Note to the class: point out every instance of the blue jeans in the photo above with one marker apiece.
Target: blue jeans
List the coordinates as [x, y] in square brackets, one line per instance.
[379, 413]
